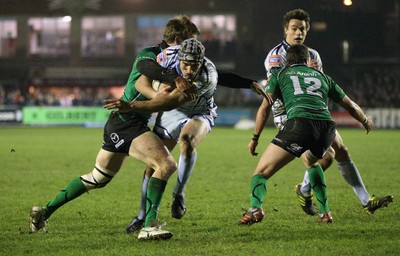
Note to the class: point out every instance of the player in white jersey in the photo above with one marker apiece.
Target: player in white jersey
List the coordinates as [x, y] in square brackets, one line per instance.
[189, 123]
[296, 24]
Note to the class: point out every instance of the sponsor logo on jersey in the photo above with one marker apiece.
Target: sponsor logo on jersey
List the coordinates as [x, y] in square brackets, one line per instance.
[274, 61]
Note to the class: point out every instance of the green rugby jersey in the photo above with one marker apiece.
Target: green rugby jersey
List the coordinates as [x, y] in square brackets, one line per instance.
[130, 91]
[304, 91]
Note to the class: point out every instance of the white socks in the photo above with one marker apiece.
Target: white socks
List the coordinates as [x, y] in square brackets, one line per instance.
[142, 211]
[185, 168]
[350, 173]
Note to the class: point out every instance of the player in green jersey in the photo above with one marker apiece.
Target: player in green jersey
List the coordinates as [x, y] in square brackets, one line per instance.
[308, 133]
[128, 134]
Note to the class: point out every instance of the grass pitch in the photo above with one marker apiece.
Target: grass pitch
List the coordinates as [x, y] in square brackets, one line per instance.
[37, 162]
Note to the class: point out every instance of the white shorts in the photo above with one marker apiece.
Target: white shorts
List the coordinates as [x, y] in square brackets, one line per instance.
[169, 124]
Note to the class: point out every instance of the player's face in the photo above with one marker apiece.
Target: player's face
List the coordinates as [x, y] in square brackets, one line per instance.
[189, 69]
[296, 32]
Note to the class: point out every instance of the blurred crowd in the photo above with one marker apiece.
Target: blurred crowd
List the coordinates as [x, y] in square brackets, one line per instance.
[18, 97]
[374, 88]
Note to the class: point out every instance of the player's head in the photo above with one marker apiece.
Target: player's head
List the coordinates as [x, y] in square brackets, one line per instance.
[191, 57]
[178, 29]
[297, 54]
[296, 24]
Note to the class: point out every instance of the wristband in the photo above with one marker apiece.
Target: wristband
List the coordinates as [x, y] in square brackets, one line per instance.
[255, 137]
[365, 121]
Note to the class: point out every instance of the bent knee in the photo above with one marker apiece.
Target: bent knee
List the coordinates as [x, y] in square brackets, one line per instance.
[328, 158]
[166, 167]
[97, 178]
[341, 151]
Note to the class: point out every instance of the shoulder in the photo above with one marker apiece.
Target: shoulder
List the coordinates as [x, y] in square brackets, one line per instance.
[149, 53]
[168, 56]
[314, 53]
[276, 57]
[278, 49]
[170, 51]
[210, 68]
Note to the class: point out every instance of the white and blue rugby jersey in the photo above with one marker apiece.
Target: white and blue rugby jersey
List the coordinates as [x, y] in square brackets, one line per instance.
[205, 83]
[276, 59]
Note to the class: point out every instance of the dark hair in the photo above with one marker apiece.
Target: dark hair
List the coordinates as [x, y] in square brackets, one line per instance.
[298, 14]
[297, 54]
[180, 26]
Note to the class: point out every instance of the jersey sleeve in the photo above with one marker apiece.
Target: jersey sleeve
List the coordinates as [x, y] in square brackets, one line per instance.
[272, 85]
[335, 92]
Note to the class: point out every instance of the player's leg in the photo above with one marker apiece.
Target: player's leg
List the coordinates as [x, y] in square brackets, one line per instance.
[138, 221]
[317, 181]
[349, 170]
[325, 163]
[149, 149]
[304, 191]
[273, 159]
[191, 135]
[352, 176]
[107, 165]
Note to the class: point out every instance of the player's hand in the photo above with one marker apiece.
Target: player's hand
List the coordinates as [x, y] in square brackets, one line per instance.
[368, 124]
[164, 90]
[121, 105]
[260, 91]
[312, 63]
[185, 87]
[255, 87]
[252, 147]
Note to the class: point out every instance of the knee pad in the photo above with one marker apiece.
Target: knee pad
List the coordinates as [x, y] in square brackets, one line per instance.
[96, 179]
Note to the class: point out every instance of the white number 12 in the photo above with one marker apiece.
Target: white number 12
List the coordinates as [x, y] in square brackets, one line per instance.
[314, 83]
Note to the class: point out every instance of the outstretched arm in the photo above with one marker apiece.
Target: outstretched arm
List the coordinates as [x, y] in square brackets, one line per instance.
[356, 112]
[235, 81]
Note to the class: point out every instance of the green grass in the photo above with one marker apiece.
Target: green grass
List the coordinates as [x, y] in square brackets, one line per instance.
[37, 162]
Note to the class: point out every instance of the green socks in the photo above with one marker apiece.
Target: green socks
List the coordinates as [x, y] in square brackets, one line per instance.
[317, 181]
[258, 190]
[155, 191]
[74, 189]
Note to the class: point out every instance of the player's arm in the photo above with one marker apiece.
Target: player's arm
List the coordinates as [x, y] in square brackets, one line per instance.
[235, 81]
[144, 86]
[152, 69]
[356, 112]
[165, 102]
[261, 119]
